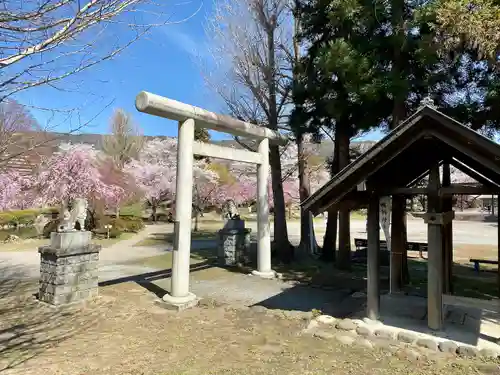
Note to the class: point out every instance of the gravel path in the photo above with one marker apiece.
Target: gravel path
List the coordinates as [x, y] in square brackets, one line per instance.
[26, 264]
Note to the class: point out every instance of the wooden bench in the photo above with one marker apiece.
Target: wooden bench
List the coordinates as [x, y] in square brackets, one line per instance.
[421, 247]
[479, 261]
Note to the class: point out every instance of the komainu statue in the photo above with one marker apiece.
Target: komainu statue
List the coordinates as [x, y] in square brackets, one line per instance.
[230, 210]
[77, 214]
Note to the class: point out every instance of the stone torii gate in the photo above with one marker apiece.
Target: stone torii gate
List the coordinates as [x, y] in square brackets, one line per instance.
[188, 117]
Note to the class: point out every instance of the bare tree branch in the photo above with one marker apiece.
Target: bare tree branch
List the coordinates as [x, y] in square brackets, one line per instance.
[240, 65]
[124, 141]
[42, 42]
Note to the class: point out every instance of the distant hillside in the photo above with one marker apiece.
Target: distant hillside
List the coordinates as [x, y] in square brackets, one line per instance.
[48, 142]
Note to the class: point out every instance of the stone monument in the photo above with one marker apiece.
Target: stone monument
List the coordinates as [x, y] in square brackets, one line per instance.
[69, 265]
[234, 238]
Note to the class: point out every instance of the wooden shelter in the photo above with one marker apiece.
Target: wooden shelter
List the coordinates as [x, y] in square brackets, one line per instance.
[427, 142]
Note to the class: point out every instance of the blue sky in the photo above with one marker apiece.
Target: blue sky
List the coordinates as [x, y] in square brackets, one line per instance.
[163, 62]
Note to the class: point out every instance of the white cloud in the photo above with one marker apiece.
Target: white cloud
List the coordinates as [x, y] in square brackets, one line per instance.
[185, 41]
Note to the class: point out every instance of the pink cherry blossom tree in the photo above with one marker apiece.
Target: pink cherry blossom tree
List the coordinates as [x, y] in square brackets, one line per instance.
[112, 175]
[15, 191]
[73, 172]
[154, 171]
[317, 174]
[206, 189]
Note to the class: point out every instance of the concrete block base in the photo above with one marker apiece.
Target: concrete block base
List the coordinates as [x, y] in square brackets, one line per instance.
[178, 303]
[265, 275]
[68, 268]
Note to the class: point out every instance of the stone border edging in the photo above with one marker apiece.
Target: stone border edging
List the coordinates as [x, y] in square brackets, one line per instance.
[368, 330]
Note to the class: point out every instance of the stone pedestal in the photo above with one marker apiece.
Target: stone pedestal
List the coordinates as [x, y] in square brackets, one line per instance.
[234, 243]
[69, 268]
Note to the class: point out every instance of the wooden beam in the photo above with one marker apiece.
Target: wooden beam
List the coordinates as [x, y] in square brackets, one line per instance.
[490, 164]
[467, 190]
[402, 191]
[442, 192]
[447, 243]
[373, 260]
[472, 173]
[421, 176]
[352, 201]
[398, 245]
[226, 153]
[498, 244]
[366, 161]
[464, 131]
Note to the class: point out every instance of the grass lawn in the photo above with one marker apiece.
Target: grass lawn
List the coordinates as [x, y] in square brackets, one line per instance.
[358, 215]
[466, 282]
[159, 239]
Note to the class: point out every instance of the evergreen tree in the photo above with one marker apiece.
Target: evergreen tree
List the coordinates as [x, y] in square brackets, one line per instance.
[339, 87]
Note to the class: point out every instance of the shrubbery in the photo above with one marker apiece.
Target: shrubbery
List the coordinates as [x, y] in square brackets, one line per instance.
[24, 217]
[128, 224]
[95, 221]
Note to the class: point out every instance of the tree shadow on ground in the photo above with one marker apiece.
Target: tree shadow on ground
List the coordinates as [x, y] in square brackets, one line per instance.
[338, 302]
[28, 327]
[465, 320]
[146, 280]
[318, 285]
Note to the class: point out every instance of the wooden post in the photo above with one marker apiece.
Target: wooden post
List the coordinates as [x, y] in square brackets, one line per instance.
[447, 235]
[498, 245]
[373, 262]
[398, 245]
[405, 272]
[435, 257]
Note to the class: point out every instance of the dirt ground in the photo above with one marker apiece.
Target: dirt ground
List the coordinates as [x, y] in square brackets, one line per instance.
[125, 332]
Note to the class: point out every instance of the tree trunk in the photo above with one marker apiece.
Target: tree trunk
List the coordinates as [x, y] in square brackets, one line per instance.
[306, 223]
[398, 41]
[284, 248]
[117, 212]
[398, 115]
[329, 253]
[153, 209]
[344, 256]
[196, 215]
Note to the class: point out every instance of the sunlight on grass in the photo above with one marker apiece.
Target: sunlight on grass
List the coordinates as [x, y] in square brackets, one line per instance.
[159, 239]
[466, 282]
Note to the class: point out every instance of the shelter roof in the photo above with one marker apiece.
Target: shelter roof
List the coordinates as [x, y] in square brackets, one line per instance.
[407, 153]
